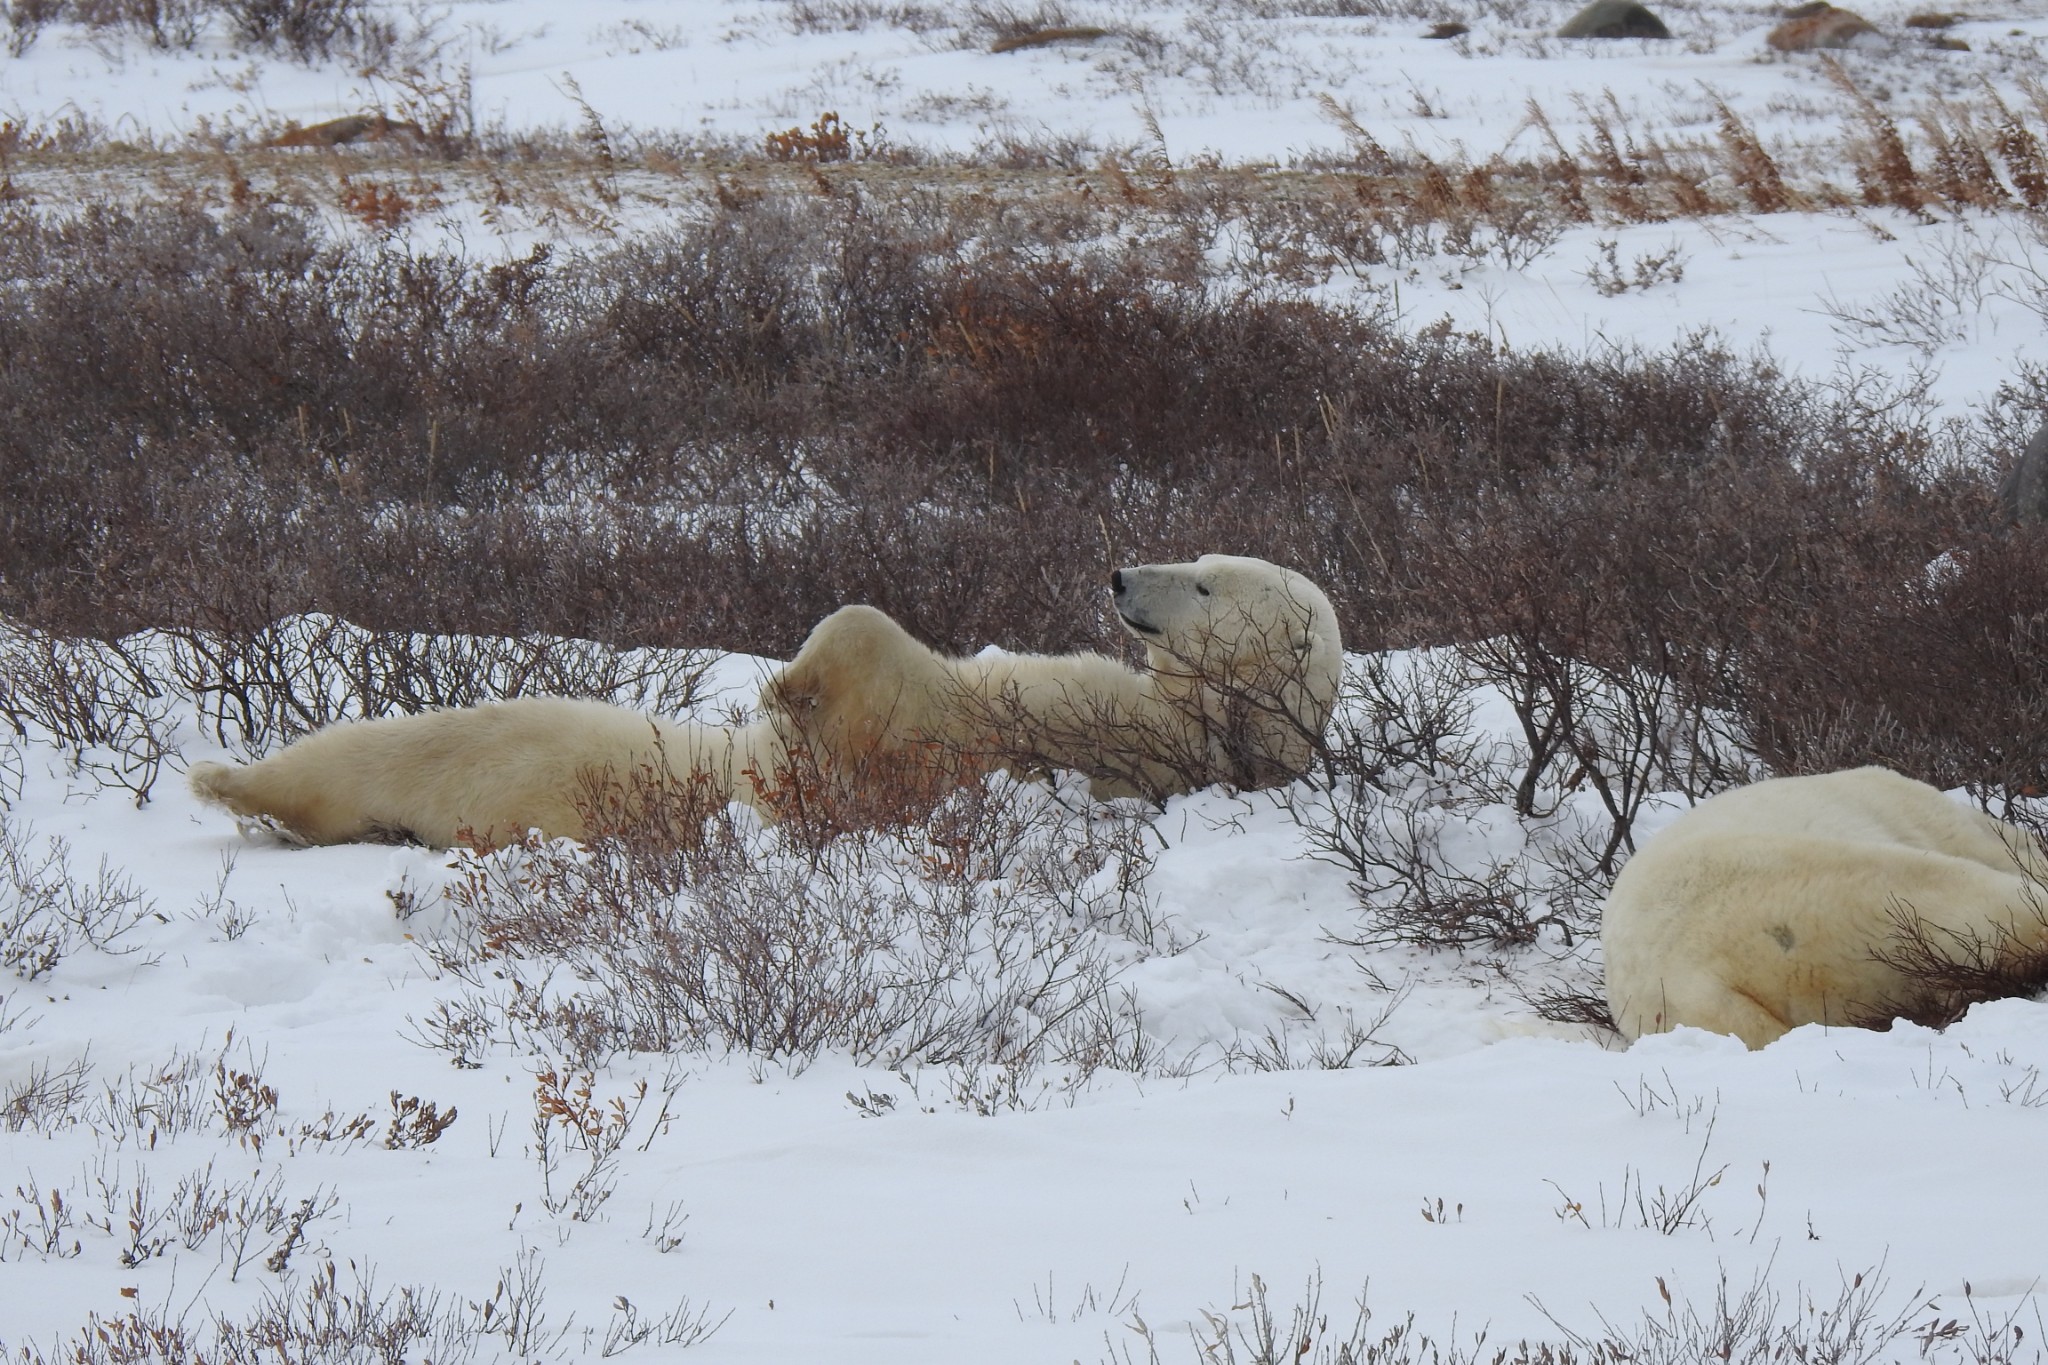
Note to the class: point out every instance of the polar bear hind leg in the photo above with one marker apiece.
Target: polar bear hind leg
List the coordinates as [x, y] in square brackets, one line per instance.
[1699, 1002]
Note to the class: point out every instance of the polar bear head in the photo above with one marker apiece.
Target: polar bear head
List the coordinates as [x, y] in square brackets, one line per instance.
[1248, 647]
[1229, 617]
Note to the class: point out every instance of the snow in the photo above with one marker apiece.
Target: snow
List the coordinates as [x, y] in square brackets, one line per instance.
[833, 1210]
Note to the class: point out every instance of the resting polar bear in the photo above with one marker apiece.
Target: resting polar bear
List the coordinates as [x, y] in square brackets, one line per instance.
[1243, 662]
[1777, 904]
[484, 774]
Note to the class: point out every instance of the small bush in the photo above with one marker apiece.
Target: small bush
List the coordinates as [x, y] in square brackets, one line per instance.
[47, 915]
[968, 940]
[797, 399]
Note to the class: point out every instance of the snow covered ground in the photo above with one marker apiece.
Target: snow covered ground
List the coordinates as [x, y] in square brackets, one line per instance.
[246, 1060]
[201, 1123]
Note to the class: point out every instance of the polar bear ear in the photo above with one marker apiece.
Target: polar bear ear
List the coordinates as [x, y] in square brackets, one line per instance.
[782, 693]
[1301, 632]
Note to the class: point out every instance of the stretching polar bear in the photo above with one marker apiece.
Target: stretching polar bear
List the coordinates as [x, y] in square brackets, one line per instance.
[1245, 659]
[483, 774]
[1783, 904]
[1243, 662]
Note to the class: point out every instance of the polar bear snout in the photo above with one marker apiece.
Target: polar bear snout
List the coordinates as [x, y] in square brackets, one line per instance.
[1122, 592]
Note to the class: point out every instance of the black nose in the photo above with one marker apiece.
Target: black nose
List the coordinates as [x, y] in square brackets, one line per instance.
[1116, 581]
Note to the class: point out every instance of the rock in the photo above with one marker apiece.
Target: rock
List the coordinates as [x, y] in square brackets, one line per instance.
[1614, 19]
[2023, 497]
[1811, 28]
[1046, 37]
[1449, 28]
[336, 131]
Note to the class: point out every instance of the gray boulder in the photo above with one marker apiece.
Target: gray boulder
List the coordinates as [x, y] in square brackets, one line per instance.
[1614, 19]
[2023, 497]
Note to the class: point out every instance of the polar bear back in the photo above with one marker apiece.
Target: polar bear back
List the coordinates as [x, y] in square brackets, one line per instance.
[1243, 665]
[1872, 805]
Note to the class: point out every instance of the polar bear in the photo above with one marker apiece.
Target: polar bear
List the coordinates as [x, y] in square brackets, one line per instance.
[1788, 902]
[485, 774]
[1243, 661]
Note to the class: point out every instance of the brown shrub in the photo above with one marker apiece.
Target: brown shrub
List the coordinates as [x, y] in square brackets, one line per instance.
[795, 401]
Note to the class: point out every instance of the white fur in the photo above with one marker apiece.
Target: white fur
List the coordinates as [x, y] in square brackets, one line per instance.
[1767, 907]
[483, 774]
[1243, 664]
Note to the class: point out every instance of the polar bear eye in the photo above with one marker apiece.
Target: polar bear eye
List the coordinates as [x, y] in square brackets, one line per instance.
[1199, 588]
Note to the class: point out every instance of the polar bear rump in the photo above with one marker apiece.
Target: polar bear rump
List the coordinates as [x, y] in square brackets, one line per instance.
[1242, 665]
[486, 774]
[1835, 899]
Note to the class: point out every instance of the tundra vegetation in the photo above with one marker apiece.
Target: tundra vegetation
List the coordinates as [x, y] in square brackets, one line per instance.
[274, 459]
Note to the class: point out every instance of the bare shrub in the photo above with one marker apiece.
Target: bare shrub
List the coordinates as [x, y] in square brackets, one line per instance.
[827, 139]
[260, 686]
[1356, 1043]
[1934, 672]
[189, 1091]
[1564, 1005]
[1939, 305]
[1949, 970]
[167, 24]
[25, 21]
[247, 1220]
[1578, 603]
[1607, 276]
[685, 1324]
[217, 908]
[44, 1225]
[416, 1122]
[964, 417]
[1863, 1320]
[328, 1320]
[47, 914]
[1412, 889]
[568, 1118]
[47, 1098]
[1400, 800]
[323, 1319]
[967, 940]
[102, 704]
[247, 1105]
[309, 30]
[1671, 1209]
